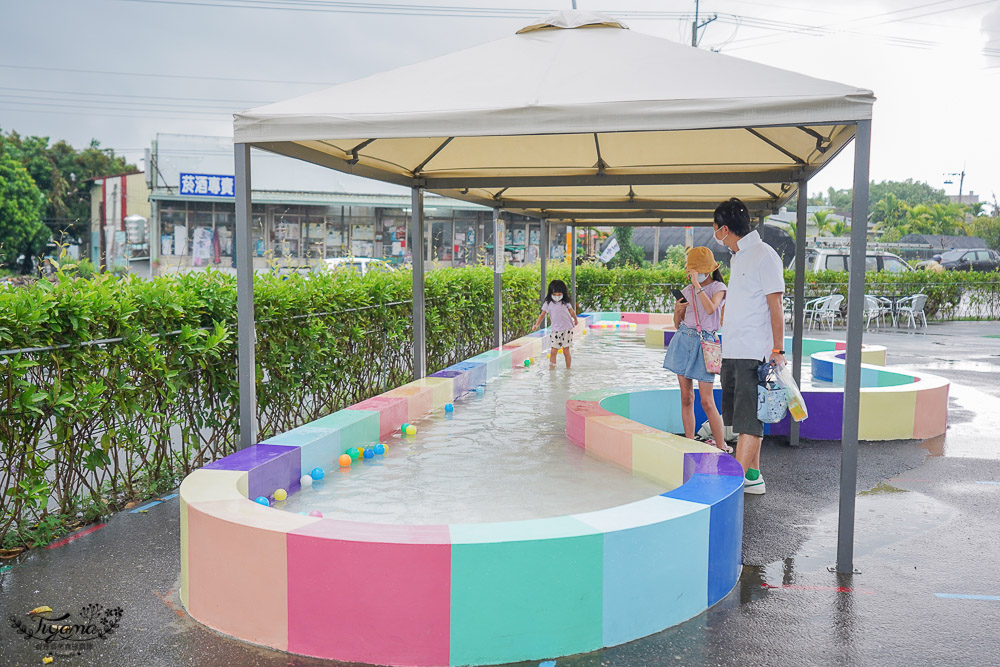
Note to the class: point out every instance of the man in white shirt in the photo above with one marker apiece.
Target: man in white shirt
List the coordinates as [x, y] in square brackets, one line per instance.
[752, 330]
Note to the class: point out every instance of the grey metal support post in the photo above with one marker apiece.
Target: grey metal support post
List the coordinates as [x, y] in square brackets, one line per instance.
[572, 269]
[852, 366]
[419, 321]
[246, 337]
[543, 252]
[498, 249]
[656, 247]
[798, 305]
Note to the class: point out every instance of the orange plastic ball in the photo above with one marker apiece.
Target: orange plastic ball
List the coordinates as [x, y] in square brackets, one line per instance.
[344, 460]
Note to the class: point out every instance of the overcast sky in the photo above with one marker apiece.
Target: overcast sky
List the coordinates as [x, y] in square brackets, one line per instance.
[122, 70]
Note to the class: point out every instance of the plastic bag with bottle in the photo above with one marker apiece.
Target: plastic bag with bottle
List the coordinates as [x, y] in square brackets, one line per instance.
[796, 403]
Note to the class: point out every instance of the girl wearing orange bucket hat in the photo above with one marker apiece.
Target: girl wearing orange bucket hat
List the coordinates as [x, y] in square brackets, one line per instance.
[697, 318]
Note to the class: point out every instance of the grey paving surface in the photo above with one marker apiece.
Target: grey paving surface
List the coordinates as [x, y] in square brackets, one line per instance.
[930, 527]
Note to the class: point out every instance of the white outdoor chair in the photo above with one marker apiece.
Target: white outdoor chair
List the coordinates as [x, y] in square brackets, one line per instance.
[912, 307]
[872, 311]
[810, 309]
[829, 310]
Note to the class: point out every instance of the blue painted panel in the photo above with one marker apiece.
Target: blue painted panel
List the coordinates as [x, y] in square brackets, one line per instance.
[475, 370]
[655, 576]
[725, 545]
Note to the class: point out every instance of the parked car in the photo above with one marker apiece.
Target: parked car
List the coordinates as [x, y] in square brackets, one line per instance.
[360, 265]
[970, 260]
[838, 259]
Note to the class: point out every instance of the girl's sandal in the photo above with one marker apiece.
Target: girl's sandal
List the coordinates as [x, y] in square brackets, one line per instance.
[725, 447]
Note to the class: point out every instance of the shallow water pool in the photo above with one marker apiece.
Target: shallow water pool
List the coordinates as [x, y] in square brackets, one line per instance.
[503, 455]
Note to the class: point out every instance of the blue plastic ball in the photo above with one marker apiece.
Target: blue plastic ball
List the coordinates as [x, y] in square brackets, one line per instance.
[480, 390]
[317, 473]
[448, 407]
[380, 449]
[263, 501]
[369, 453]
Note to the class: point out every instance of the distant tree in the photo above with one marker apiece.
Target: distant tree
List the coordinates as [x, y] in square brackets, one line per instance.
[908, 192]
[21, 206]
[629, 254]
[60, 172]
[840, 200]
[889, 211]
[822, 219]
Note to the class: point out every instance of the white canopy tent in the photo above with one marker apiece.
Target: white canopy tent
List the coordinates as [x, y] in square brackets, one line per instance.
[579, 119]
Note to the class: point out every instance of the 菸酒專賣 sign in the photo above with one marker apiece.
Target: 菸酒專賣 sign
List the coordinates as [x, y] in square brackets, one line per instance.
[208, 185]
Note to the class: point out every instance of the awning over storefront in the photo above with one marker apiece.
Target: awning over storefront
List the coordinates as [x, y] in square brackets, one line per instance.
[576, 118]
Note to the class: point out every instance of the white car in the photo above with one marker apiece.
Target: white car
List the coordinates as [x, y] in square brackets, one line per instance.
[838, 259]
[360, 265]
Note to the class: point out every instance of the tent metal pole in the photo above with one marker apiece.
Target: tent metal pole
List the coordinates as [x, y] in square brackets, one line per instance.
[543, 250]
[798, 304]
[498, 249]
[852, 366]
[656, 247]
[246, 335]
[572, 268]
[419, 321]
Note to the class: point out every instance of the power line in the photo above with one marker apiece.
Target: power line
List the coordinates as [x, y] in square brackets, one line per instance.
[152, 97]
[167, 76]
[112, 115]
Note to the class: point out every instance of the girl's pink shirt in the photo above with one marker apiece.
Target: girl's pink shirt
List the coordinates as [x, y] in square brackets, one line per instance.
[708, 322]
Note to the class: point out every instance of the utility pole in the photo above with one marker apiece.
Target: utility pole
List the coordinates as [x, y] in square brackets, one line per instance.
[695, 27]
[961, 182]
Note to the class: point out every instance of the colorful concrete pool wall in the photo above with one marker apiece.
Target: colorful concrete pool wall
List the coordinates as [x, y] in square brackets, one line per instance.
[453, 594]
[895, 404]
[473, 593]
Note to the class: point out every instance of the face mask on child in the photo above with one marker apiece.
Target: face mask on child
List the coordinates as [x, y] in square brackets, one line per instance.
[701, 277]
[557, 297]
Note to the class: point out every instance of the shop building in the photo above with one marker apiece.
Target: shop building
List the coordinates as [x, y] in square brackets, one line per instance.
[303, 214]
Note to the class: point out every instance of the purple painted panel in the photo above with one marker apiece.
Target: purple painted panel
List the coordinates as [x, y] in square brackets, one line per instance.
[710, 464]
[667, 335]
[826, 417]
[462, 382]
[270, 467]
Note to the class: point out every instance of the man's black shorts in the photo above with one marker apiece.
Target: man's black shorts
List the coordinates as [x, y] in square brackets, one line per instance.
[739, 396]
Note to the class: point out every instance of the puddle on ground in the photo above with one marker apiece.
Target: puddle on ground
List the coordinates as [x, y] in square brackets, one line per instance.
[882, 487]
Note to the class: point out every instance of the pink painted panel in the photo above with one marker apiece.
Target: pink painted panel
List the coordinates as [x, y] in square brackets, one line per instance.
[237, 579]
[376, 602]
[392, 412]
[662, 319]
[576, 419]
[638, 318]
[607, 438]
[931, 414]
[840, 346]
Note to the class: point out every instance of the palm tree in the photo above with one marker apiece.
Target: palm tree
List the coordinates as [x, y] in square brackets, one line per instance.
[948, 219]
[822, 219]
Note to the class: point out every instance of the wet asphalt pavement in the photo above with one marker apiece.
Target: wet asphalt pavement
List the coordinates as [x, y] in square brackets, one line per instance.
[928, 524]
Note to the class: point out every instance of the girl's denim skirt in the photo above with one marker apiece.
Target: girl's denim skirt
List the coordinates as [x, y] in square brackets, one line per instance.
[684, 355]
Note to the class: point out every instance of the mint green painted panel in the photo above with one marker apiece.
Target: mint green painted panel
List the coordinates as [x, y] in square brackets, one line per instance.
[890, 379]
[619, 404]
[526, 600]
[357, 427]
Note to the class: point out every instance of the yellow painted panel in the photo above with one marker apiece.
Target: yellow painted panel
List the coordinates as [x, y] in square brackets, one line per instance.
[887, 414]
[653, 458]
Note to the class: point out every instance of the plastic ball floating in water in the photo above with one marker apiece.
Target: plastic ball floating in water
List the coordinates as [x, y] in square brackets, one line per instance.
[261, 500]
[316, 513]
[480, 390]
[527, 362]
[448, 407]
[369, 453]
[317, 473]
[411, 429]
[280, 494]
[353, 452]
[344, 460]
[305, 480]
[402, 429]
[380, 448]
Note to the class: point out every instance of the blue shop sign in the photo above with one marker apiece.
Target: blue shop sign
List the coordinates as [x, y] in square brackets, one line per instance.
[208, 185]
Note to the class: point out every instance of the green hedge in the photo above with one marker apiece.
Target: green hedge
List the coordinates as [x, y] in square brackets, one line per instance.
[141, 387]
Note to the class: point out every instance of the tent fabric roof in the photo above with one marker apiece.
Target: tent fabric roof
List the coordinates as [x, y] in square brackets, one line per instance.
[578, 118]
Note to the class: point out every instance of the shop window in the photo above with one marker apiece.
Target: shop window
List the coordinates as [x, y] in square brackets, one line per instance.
[285, 235]
[314, 238]
[200, 220]
[173, 230]
[225, 230]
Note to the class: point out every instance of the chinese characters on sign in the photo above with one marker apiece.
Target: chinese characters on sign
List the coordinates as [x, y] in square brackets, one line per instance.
[208, 185]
